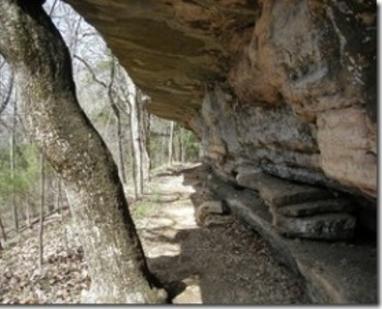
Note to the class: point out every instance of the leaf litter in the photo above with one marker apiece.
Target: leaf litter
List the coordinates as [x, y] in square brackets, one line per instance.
[64, 274]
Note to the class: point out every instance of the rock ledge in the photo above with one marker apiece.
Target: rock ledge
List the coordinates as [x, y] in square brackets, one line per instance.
[335, 273]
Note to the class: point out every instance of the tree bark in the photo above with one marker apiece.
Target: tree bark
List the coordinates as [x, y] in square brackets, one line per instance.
[56, 122]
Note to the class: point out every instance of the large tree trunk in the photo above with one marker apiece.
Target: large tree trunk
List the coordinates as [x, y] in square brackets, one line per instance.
[43, 72]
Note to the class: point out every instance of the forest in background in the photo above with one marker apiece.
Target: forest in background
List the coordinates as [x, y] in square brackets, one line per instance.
[138, 141]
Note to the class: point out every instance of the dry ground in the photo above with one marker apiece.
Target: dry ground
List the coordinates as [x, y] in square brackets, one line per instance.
[217, 265]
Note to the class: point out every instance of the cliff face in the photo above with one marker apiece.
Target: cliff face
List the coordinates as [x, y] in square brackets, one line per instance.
[283, 87]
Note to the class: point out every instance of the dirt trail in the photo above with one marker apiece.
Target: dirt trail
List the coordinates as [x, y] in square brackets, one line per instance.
[224, 264]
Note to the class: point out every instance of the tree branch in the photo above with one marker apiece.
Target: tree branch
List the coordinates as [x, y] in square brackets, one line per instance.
[5, 103]
[53, 7]
[90, 69]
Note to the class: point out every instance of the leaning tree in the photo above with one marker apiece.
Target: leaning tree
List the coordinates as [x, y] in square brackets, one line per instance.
[43, 76]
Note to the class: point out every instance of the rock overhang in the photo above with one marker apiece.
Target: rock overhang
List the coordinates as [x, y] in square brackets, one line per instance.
[310, 62]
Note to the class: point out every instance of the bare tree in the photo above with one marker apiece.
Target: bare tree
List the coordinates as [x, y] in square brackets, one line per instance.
[135, 149]
[131, 97]
[58, 206]
[8, 88]
[4, 103]
[28, 215]
[171, 143]
[12, 159]
[42, 206]
[143, 123]
[117, 114]
[4, 234]
[51, 11]
[148, 145]
[180, 145]
[114, 106]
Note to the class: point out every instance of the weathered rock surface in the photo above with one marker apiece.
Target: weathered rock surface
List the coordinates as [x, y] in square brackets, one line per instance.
[212, 213]
[324, 216]
[318, 207]
[289, 87]
[191, 294]
[326, 227]
[279, 193]
[335, 273]
[317, 57]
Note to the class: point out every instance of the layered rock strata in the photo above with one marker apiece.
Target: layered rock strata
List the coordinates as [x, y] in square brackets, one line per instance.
[335, 273]
[285, 88]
